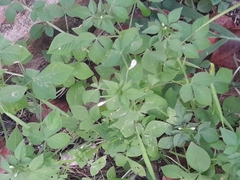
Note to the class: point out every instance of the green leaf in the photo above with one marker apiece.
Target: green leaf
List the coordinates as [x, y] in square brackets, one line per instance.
[134, 94]
[36, 163]
[204, 6]
[62, 44]
[56, 73]
[81, 70]
[214, 2]
[91, 96]
[199, 31]
[74, 94]
[58, 141]
[186, 93]
[120, 12]
[92, 7]
[172, 171]
[66, 4]
[36, 31]
[229, 137]
[10, 14]
[198, 158]
[224, 75]
[79, 11]
[144, 10]
[17, 6]
[156, 128]
[190, 51]
[165, 142]
[174, 15]
[14, 139]
[43, 90]
[20, 151]
[98, 165]
[12, 93]
[14, 54]
[55, 10]
[210, 135]
[153, 29]
[5, 2]
[4, 42]
[137, 168]
[203, 79]
[201, 43]
[53, 123]
[49, 31]
[202, 94]
[5, 165]
[96, 53]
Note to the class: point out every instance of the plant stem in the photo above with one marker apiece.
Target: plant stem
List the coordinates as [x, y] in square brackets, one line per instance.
[187, 81]
[17, 120]
[4, 129]
[50, 24]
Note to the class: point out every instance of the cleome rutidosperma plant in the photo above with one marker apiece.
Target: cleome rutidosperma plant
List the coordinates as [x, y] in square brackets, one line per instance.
[143, 100]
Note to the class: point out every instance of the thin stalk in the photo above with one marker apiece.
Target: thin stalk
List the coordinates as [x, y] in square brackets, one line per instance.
[54, 108]
[213, 19]
[50, 24]
[13, 74]
[131, 19]
[187, 82]
[177, 163]
[17, 120]
[176, 154]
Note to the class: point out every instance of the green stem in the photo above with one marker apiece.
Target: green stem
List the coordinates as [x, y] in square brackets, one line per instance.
[4, 128]
[50, 24]
[187, 82]
[17, 120]
[213, 19]
[177, 163]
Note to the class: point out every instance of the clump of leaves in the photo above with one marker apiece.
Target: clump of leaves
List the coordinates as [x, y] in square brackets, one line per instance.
[137, 102]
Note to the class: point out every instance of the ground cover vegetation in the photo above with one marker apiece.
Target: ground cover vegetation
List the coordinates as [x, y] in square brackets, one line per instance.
[143, 98]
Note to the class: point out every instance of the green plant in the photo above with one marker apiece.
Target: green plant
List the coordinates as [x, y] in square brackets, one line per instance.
[138, 105]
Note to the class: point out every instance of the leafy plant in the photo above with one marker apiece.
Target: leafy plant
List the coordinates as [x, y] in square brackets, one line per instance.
[134, 94]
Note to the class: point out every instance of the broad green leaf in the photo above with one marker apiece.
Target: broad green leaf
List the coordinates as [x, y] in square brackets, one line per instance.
[4, 42]
[120, 12]
[10, 14]
[4, 2]
[229, 137]
[14, 139]
[62, 44]
[150, 61]
[98, 165]
[12, 93]
[204, 6]
[80, 112]
[43, 90]
[5, 165]
[165, 142]
[79, 11]
[174, 15]
[36, 31]
[56, 73]
[120, 159]
[55, 10]
[152, 30]
[96, 53]
[186, 93]
[81, 70]
[203, 79]
[198, 158]
[112, 58]
[202, 94]
[94, 113]
[14, 54]
[134, 94]
[36, 163]
[197, 29]
[210, 135]
[74, 94]
[172, 171]
[144, 10]
[91, 96]
[49, 31]
[66, 4]
[223, 75]
[190, 51]
[137, 168]
[214, 2]
[58, 141]
[92, 6]
[156, 128]
[20, 151]
[53, 123]
[201, 43]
